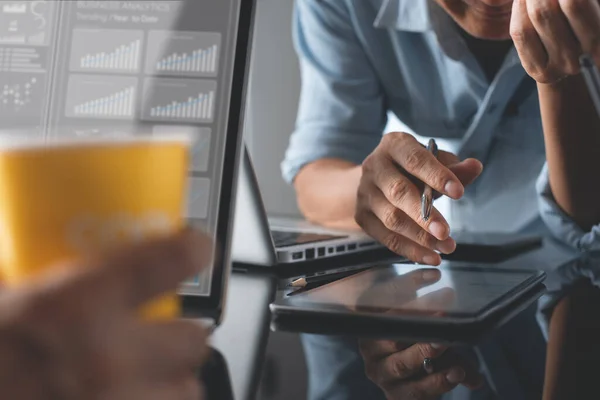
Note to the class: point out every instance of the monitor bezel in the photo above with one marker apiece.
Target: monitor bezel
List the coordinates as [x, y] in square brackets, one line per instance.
[212, 306]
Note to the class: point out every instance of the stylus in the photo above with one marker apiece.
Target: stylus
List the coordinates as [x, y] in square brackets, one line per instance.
[427, 198]
[592, 79]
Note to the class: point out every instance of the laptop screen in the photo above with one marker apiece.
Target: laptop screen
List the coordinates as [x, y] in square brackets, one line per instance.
[94, 68]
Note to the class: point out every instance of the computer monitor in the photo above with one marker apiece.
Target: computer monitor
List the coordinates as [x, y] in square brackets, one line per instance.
[94, 68]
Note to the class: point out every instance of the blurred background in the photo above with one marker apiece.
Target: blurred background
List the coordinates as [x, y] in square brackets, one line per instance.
[270, 119]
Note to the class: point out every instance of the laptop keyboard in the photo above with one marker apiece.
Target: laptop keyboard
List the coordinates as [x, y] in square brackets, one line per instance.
[288, 239]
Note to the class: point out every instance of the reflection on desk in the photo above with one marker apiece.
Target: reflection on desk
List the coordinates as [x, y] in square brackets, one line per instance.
[243, 335]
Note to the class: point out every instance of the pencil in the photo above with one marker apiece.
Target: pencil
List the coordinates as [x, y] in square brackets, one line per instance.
[322, 279]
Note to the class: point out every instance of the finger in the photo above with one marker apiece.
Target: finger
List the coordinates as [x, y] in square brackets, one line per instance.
[533, 54]
[395, 242]
[584, 18]
[556, 35]
[176, 347]
[447, 158]
[429, 387]
[376, 350]
[133, 275]
[405, 364]
[397, 221]
[473, 378]
[408, 153]
[404, 195]
[467, 171]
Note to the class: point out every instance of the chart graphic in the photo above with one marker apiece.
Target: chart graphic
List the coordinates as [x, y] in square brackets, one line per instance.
[200, 152]
[26, 22]
[21, 96]
[183, 53]
[179, 100]
[26, 59]
[198, 198]
[93, 96]
[104, 50]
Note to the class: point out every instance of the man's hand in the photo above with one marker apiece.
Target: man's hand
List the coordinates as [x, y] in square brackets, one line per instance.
[397, 368]
[551, 35]
[77, 334]
[389, 196]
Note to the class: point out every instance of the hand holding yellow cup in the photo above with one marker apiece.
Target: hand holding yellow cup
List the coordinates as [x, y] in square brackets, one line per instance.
[65, 199]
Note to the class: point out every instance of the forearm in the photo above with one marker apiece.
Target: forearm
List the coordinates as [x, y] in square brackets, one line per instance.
[326, 192]
[573, 348]
[572, 136]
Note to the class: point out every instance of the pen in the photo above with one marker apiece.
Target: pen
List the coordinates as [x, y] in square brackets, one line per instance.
[323, 279]
[427, 198]
[592, 79]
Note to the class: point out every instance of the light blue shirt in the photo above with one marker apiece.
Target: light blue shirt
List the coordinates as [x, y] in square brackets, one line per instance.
[361, 59]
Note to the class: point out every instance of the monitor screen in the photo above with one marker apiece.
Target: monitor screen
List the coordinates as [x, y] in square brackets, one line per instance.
[93, 68]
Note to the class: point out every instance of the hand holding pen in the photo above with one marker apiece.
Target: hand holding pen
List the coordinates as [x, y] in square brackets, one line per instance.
[389, 203]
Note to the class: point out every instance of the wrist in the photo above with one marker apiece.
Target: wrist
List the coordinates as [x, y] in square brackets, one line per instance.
[572, 85]
[326, 192]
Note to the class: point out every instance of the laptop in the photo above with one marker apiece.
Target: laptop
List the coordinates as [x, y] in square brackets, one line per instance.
[96, 68]
[262, 241]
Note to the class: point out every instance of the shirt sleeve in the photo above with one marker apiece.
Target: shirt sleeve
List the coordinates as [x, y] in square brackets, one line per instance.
[583, 246]
[560, 224]
[341, 111]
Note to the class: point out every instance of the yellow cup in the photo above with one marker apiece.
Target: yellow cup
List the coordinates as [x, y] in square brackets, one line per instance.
[63, 199]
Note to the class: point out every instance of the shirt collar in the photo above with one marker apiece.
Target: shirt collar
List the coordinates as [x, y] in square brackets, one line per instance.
[405, 15]
[424, 16]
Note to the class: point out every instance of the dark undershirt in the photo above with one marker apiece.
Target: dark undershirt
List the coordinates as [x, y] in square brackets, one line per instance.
[490, 54]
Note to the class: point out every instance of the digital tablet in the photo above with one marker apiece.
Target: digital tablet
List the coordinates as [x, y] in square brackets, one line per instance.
[491, 246]
[453, 304]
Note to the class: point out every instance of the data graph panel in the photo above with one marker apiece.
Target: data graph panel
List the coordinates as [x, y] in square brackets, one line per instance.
[102, 97]
[22, 59]
[109, 51]
[179, 100]
[26, 22]
[200, 151]
[21, 96]
[183, 53]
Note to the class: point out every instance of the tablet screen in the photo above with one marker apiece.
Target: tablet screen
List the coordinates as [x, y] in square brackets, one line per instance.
[415, 290]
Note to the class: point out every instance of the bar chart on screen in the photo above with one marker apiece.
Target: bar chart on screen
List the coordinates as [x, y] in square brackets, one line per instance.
[92, 96]
[183, 53]
[110, 51]
[179, 100]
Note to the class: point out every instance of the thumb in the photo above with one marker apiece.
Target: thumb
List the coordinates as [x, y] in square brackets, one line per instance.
[467, 171]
